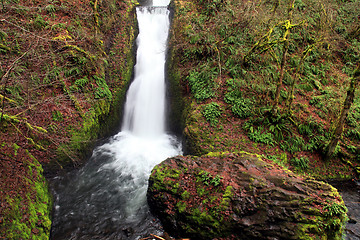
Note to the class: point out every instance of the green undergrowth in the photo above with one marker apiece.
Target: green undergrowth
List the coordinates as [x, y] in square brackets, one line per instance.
[66, 68]
[105, 91]
[231, 67]
[28, 216]
[77, 70]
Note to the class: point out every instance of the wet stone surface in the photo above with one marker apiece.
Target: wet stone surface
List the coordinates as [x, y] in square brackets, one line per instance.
[350, 192]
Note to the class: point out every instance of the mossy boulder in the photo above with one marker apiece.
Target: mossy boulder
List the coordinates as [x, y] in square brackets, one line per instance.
[241, 196]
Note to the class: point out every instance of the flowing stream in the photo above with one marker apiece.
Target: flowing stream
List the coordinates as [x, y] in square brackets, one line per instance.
[106, 199]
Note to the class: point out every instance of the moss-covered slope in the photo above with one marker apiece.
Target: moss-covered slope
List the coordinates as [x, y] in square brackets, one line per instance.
[65, 67]
[269, 77]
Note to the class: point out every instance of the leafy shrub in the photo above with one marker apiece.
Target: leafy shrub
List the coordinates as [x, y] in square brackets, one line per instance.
[57, 116]
[300, 163]
[202, 83]
[39, 23]
[353, 118]
[208, 179]
[279, 126]
[353, 133]
[241, 107]
[334, 210]
[102, 90]
[293, 144]
[261, 136]
[316, 142]
[211, 112]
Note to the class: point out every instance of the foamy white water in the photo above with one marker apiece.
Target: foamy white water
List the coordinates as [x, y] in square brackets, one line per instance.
[143, 142]
[106, 199]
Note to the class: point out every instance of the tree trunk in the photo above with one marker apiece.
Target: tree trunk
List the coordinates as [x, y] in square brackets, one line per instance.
[287, 26]
[354, 82]
[296, 76]
[281, 75]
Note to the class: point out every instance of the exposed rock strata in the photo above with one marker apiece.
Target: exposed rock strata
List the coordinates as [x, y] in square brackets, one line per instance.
[241, 196]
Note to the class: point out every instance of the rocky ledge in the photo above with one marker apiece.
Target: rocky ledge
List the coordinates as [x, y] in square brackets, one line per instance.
[242, 196]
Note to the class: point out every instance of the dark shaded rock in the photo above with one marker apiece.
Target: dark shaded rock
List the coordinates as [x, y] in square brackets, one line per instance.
[241, 196]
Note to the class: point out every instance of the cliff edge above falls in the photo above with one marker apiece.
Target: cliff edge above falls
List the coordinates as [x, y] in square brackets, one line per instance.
[241, 196]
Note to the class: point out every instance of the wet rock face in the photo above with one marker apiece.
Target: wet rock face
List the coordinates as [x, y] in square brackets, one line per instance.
[241, 196]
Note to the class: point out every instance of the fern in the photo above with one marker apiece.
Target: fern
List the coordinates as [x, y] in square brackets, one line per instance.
[57, 116]
[3, 35]
[353, 118]
[39, 23]
[241, 107]
[353, 134]
[334, 210]
[311, 127]
[208, 179]
[293, 144]
[102, 91]
[300, 163]
[279, 126]
[261, 136]
[74, 71]
[50, 9]
[316, 142]
[82, 82]
[211, 112]
[15, 92]
[202, 82]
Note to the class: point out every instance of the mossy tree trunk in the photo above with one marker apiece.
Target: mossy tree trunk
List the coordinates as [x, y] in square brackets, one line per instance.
[274, 109]
[287, 26]
[354, 82]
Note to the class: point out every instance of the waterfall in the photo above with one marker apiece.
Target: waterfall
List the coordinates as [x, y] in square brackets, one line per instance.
[106, 199]
[145, 104]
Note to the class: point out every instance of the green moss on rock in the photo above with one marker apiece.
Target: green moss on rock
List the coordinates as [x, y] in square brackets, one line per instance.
[28, 217]
[254, 200]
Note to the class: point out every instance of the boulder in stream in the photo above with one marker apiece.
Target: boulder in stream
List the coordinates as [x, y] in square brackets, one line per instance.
[242, 196]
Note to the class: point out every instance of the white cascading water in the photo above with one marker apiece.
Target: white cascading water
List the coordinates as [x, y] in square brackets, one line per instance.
[107, 198]
[145, 104]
